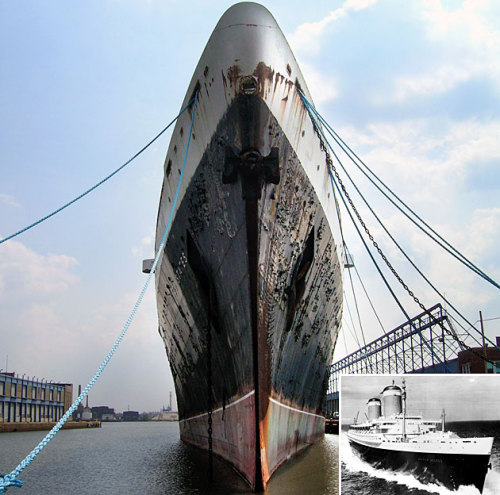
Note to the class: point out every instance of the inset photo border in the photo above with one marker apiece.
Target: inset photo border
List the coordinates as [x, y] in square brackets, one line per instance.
[419, 433]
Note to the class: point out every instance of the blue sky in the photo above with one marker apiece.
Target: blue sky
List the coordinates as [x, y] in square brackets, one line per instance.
[413, 87]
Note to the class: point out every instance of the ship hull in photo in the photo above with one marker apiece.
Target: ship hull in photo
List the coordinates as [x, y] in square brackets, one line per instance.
[249, 289]
[450, 470]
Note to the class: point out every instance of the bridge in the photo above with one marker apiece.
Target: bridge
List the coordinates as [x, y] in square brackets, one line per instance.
[427, 343]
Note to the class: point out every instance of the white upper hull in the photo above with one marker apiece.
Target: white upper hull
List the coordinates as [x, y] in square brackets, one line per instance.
[434, 443]
[247, 42]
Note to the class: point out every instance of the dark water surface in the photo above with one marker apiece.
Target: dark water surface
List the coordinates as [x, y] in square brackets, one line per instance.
[149, 458]
[359, 478]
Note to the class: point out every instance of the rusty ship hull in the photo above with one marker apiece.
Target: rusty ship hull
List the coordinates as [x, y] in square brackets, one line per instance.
[249, 287]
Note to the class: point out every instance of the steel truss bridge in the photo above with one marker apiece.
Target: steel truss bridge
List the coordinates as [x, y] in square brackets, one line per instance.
[427, 343]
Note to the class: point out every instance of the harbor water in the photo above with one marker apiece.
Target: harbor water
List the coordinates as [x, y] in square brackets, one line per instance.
[149, 458]
[360, 478]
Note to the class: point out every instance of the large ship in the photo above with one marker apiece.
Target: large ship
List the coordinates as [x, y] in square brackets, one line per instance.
[249, 288]
[400, 441]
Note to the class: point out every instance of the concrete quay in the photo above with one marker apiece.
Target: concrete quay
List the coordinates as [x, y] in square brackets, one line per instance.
[35, 426]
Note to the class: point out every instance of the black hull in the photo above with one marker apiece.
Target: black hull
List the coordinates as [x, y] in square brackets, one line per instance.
[450, 470]
[253, 263]
[249, 290]
[221, 236]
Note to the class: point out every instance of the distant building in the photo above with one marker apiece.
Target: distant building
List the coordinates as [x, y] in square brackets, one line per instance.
[103, 413]
[86, 414]
[29, 401]
[166, 415]
[77, 413]
[82, 412]
[471, 362]
[130, 416]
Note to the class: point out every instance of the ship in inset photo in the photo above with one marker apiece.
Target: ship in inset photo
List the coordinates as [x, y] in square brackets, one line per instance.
[420, 434]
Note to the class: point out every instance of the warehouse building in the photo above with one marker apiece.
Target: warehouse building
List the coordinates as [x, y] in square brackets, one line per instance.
[25, 400]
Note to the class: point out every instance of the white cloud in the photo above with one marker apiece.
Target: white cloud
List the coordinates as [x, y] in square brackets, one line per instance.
[467, 46]
[475, 238]
[438, 81]
[465, 290]
[471, 22]
[420, 161]
[32, 288]
[8, 200]
[322, 88]
[430, 167]
[140, 366]
[307, 36]
[358, 4]
[483, 235]
[145, 248]
[51, 327]
[28, 274]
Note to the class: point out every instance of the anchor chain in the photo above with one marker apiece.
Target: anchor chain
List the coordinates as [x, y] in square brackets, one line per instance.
[332, 168]
[210, 403]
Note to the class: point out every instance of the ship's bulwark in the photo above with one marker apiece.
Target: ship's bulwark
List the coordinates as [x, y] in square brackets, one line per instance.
[251, 259]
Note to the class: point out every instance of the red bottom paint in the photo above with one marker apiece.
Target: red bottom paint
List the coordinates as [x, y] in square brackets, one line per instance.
[284, 432]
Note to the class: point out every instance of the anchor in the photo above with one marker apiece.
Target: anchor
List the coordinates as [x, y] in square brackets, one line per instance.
[253, 168]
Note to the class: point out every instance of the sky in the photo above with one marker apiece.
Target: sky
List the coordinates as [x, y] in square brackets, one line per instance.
[412, 87]
[463, 397]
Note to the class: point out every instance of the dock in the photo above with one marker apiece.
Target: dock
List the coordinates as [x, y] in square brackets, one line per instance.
[35, 426]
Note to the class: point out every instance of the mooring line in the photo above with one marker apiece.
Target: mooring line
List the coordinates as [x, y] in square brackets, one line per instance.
[46, 217]
[446, 246]
[334, 178]
[12, 479]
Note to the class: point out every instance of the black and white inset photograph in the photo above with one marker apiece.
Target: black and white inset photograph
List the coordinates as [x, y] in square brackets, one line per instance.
[420, 434]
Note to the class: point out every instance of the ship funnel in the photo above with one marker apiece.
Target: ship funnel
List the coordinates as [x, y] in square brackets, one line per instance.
[374, 408]
[391, 397]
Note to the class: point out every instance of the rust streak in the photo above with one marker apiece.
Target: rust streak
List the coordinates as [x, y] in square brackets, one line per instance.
[263, 72]
[233, 74]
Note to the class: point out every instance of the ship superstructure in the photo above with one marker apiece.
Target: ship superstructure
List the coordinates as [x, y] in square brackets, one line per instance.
[399, 441]
[249, 290]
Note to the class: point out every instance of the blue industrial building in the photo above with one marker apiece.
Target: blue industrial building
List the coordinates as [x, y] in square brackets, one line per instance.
[25, 400]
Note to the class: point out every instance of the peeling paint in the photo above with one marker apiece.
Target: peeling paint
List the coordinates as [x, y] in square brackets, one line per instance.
[251, 254]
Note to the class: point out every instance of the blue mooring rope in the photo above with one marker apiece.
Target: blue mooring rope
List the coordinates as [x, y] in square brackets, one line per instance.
[310, 110]
[46, 217]
[444, 244]
[12, 479]
[463, 259]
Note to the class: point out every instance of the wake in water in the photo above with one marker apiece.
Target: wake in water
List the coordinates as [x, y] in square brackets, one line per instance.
[354, 464]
